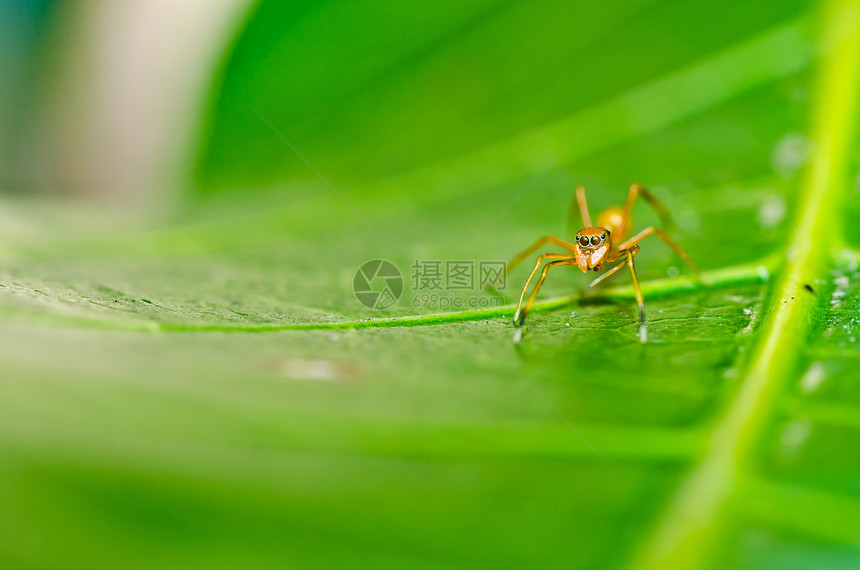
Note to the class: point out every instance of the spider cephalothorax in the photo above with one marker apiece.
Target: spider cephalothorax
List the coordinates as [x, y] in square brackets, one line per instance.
[592, 248]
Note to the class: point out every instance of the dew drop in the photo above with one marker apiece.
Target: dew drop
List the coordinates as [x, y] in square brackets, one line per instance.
[813, 378]
[794, 435]
[315, 369]
[790, 154]
[771, 211]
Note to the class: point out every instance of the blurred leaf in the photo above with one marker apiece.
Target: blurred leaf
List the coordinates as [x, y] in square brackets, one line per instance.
[152, 429]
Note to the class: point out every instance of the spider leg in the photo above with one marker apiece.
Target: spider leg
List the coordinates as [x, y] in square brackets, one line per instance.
[658, 206]
[582, 206]
[540, 258]
[640, 300]
[667, 240]
[608, 273]
[535, 246]
[522, 311]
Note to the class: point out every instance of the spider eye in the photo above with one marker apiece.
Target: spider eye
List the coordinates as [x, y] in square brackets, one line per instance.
[583, 241]
[595, 240]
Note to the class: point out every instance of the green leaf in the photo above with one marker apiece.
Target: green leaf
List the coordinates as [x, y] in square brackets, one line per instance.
[143, 424]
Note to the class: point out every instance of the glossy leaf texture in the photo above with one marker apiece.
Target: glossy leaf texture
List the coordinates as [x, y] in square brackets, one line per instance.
[206, 391]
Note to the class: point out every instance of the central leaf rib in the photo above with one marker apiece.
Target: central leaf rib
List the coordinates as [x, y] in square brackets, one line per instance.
[684, 535]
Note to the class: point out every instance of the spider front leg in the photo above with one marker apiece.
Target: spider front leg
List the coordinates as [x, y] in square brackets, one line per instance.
[561, 259]
[579, 204]
[628, 255]
[608, 273]
[659, 207]
[520, 257]
[640, 300]
[667, 240]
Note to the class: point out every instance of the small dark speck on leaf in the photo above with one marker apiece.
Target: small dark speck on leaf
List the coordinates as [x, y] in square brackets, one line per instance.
[809, 288]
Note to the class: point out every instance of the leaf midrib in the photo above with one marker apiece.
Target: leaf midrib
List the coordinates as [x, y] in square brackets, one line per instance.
[685, 534]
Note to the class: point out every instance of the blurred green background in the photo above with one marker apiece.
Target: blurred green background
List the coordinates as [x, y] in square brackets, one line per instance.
[189, 381]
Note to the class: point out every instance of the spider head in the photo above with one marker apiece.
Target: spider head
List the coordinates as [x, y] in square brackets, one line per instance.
[592, 247]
